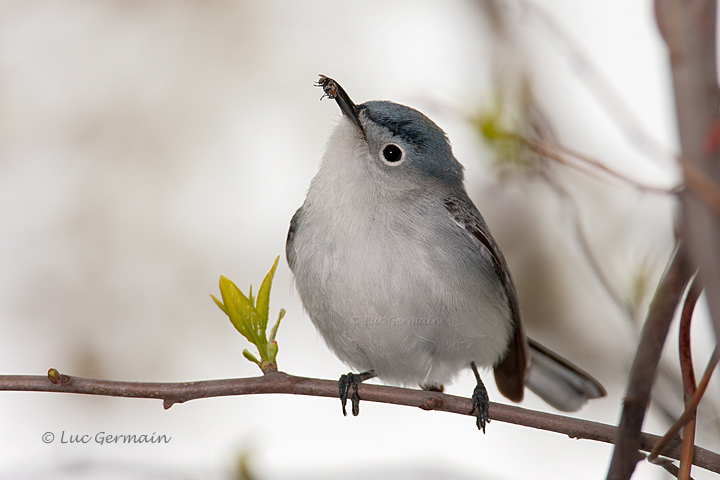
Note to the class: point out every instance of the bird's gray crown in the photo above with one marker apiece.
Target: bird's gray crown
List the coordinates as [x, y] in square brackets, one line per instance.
[434, 154]
[406, 123]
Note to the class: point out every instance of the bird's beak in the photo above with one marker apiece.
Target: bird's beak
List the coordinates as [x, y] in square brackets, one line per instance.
[333, 90]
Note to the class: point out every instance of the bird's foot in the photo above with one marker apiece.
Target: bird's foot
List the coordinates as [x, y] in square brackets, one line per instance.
[480, 402]
[352, 380]
[480, 406]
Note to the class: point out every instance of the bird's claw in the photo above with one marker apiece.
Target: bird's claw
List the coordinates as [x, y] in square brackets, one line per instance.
[480, 406]
[345, 383]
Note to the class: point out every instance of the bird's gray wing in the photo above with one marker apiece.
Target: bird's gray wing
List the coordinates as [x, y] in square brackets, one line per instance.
[510, 371]
[289, 244]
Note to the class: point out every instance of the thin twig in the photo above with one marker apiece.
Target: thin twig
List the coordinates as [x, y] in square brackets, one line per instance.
[280, 382]
[556, 152]
[688, 374]
[584, 164]
[684, 341]
[688, 450]
[689, 408]
[642, 374]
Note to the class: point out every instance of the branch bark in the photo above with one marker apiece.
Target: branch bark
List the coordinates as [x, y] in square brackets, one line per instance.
[280, 382]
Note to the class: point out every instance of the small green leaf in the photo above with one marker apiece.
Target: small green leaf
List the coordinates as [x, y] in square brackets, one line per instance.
[238, 308]
[263, 300]
[247, 354]
[274, 330]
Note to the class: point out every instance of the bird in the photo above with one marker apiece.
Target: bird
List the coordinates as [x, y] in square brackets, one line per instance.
[399, 273]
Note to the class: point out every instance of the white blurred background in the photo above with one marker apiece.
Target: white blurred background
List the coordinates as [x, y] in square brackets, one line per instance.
[147, 147]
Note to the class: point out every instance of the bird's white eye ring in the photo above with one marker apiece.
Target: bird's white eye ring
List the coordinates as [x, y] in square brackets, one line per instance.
[392, 154]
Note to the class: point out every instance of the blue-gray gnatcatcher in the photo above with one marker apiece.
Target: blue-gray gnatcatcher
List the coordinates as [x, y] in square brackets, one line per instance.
[399, 273]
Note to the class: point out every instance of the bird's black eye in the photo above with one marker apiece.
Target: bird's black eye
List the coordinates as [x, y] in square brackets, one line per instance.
[392, 153]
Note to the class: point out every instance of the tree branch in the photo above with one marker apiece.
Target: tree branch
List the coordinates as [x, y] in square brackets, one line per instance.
[642, 374]
[689, 29]
[280, 382]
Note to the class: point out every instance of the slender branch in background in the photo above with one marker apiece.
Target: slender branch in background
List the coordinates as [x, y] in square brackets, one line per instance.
[689, 29]
[598, 85]
[688, 375]
[584, 244]
[644, 367]
[557, 152]
[280, 382]
[696, 180]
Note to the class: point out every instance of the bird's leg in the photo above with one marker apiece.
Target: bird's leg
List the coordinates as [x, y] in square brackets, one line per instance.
[352, 380]
[480, 401]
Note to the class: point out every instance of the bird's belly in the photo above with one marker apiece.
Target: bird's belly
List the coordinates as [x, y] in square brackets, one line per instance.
[398, 308]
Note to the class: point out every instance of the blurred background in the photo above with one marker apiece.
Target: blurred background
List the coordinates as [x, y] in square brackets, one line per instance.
[147, 147]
